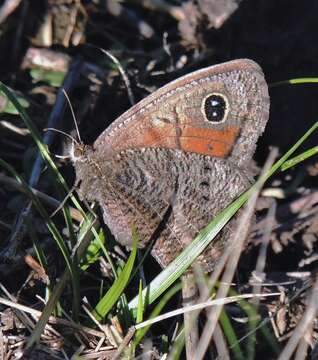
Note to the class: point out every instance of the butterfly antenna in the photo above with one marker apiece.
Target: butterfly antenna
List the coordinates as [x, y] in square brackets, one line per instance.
[73, 115]
[62, 132]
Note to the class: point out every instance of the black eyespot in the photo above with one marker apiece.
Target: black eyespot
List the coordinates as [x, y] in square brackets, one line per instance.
[215, 108]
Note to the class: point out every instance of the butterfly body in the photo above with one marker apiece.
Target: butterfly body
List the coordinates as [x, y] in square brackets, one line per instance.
[175, 160]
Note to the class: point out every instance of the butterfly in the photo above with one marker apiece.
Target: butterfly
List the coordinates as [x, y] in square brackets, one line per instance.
[177, 158]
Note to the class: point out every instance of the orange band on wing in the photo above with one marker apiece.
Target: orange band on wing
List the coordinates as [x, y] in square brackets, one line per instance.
[211, 142]
[218, 143]
[163, 136]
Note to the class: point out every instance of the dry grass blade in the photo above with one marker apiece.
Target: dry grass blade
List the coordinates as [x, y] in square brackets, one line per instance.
[123, 75]
[200, 306]
[191, 329]
[236, 248]
[259, 270]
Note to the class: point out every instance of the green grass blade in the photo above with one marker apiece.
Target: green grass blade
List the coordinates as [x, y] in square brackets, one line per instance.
[75, 274]
[93, 250]
[230, 335]
[33, 129]
[50, 224]
[100, 242]
[59, 287]
[140, 308]
[299, 158]
[37, 139]
[8, 107]
[296, 81]
[113, 294]
[254, 324]
[177, 346]
[156, 311]
[175, 269]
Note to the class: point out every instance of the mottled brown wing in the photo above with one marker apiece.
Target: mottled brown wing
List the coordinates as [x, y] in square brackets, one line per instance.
[174, 116]
[212, 185]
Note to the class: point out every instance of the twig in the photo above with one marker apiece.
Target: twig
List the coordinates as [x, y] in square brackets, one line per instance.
[303, 325]
[301, 353]
[290, 211]
[162, 5]
[71, 24]
[52, 319]
[7, 8]
[16, 48]
[16, 129]
[124, 344]
[220, 343]
[46, 59]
